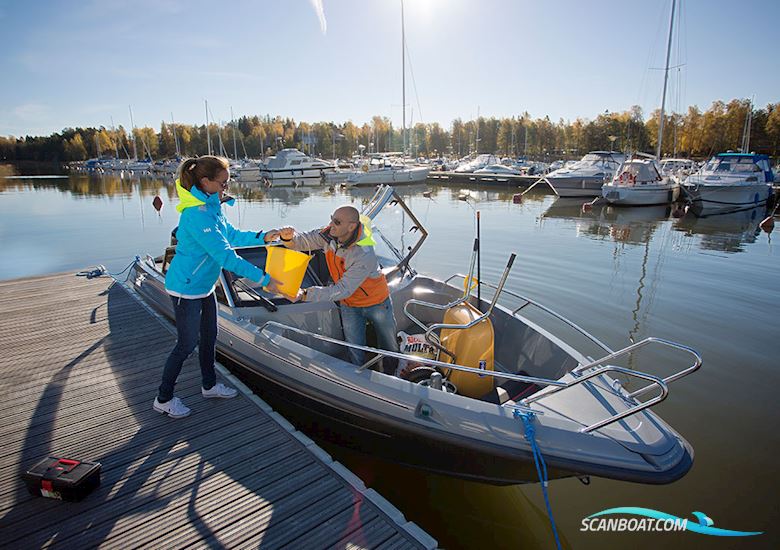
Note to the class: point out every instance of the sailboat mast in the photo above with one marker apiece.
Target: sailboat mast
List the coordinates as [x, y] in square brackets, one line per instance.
[208, 134]
[746, 129]
[115, 140]
[132, 129]
[403, 77]
[175, 137]
[666, 79]
[233, 121]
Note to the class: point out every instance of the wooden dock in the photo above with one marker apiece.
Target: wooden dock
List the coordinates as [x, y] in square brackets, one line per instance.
[486, 179]
[79, 370]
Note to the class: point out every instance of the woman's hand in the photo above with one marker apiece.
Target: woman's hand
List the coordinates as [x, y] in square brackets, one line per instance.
[273, 286]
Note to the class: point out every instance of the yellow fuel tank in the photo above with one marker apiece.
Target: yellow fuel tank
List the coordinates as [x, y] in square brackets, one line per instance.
[473, 347]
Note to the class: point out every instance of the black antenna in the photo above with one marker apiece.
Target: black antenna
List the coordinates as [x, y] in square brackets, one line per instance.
[479, 275]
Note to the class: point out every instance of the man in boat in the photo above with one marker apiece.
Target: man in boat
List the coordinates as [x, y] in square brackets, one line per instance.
[358, 285]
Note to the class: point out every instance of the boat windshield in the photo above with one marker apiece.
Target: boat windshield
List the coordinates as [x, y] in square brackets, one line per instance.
[734, 165]
[396, 230]
[596, 160]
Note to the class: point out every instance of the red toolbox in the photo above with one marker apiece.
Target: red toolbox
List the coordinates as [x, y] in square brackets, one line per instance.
[62, 478]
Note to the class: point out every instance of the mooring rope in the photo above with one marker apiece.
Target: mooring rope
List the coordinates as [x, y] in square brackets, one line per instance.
[541, 468]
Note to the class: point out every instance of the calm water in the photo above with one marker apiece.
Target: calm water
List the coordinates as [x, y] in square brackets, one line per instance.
[622, 274]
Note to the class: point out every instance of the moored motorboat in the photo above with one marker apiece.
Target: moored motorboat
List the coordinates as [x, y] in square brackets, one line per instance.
[459, 414]
[730, 182]
[383, 170]
[287, 167]
[639, 182]
[586, 177]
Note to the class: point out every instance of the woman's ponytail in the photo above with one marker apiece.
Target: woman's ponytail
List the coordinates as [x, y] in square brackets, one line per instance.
[192, 170]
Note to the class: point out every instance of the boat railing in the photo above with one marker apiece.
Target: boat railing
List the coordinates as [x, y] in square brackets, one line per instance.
[430, 334]
[581, 377]
[647, 341]
[528, 301]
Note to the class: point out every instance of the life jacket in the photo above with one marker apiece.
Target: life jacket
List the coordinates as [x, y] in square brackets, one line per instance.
[373, 290]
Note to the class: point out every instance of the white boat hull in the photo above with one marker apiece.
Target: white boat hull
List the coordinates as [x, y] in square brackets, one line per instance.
[641, 195]
[712, 198]
[578, 186]
[389, 177]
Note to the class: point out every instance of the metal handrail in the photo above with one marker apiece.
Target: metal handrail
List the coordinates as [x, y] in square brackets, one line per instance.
[611, 354]
[415, 358]
[649, 340]
[528, 301]
[557, 384]
[429, 335]
[664, 388]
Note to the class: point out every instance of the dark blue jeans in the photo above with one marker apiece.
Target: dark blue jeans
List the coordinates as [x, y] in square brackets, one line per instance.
[353, 321]
[196, 323]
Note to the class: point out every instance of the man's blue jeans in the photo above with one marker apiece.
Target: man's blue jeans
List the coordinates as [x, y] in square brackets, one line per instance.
[353, 320]
[196, 323]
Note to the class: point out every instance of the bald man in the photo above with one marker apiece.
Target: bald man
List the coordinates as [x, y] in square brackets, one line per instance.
[358, 285]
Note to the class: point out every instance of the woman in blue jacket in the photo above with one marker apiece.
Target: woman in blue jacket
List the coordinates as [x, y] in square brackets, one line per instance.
[205, 246]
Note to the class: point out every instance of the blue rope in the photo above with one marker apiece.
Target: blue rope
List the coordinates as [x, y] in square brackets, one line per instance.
[541, 467]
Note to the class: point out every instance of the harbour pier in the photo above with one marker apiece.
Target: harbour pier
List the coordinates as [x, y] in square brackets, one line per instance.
[81, 362]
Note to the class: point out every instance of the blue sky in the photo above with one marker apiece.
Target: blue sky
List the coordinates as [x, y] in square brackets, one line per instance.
[69, 63]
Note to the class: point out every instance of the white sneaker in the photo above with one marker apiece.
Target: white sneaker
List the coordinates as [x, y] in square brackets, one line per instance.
[219, 390]
[173, 408]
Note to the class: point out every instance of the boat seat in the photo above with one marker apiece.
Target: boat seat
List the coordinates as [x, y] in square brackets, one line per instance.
[170, 252]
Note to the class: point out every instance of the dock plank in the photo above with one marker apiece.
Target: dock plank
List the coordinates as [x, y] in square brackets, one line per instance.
[81, 364]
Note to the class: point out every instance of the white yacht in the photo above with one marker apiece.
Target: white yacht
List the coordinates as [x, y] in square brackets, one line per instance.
[481, 161]
[288, 167]
[382, 170]
[680, 168]
[586, 177]
[639, 182]
[730, 182]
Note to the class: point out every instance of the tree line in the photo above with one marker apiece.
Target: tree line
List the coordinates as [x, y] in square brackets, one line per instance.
[694, 134]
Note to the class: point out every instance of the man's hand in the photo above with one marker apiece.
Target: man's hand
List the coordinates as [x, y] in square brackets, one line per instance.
[287, 233]
[300, 297]
[272, 235]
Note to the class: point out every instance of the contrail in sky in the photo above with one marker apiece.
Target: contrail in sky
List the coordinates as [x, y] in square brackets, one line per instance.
[318, 7]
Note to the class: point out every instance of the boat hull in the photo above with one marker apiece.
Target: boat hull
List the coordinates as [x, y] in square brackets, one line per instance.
[379, 435]
[576, 186]
[707, 198]
[389, 177]
[641, 195]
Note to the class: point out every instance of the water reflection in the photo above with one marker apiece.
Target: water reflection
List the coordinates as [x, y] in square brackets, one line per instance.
[724, 232]
[629, 225]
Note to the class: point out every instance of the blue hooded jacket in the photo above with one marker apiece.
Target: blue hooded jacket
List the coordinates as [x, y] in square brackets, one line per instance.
[206, 241]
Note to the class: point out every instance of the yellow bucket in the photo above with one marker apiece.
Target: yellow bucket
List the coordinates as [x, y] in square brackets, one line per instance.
[288, 267]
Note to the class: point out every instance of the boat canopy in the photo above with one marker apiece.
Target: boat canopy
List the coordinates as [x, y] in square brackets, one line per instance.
[642, 170]
[740, 163]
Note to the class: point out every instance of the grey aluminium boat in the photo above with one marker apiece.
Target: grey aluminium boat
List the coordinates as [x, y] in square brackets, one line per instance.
[586, 422]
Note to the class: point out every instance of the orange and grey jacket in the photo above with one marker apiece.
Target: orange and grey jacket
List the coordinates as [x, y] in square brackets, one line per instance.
[358, 279]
